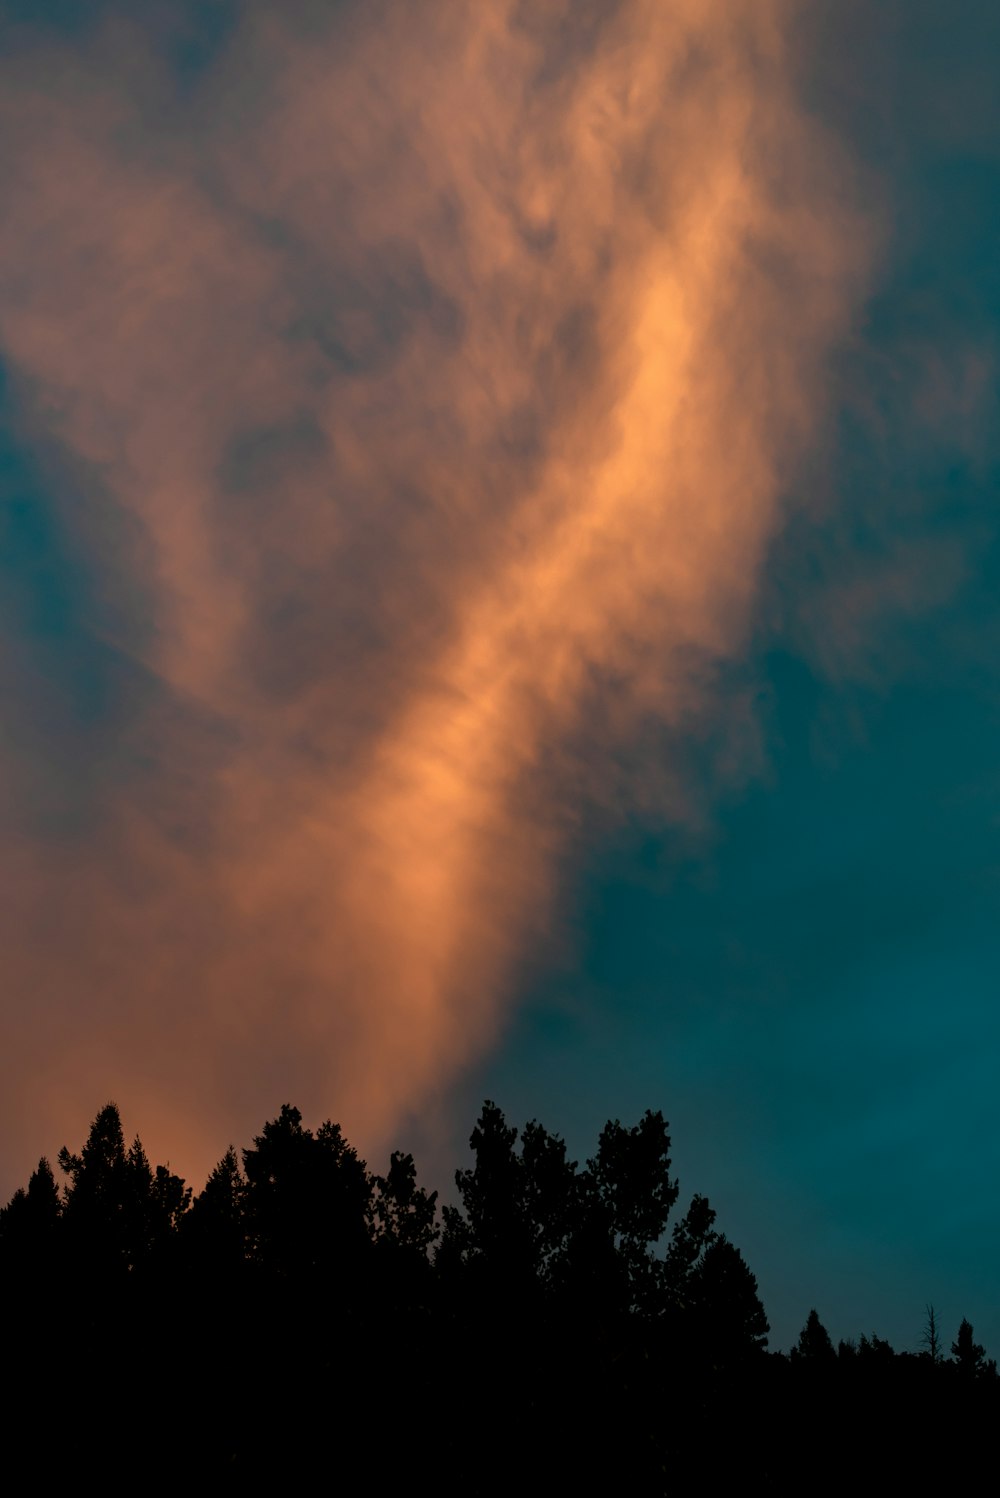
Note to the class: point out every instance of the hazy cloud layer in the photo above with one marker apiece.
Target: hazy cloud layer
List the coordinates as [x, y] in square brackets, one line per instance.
[419, 390]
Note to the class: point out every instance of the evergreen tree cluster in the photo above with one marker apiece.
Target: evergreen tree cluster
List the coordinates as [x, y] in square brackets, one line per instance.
[303, 1315]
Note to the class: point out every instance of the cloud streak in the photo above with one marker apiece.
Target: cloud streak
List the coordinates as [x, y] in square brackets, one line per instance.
[440, 373]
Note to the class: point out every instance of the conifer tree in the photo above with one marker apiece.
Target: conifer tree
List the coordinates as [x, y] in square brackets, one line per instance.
[215, 1228]
[969, 1354]
[29, 1225]
[117, 1210]
[729, 1310]
[814, 1344]
[307, 1198]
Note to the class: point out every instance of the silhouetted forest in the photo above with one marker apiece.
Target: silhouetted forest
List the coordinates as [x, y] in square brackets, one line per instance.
[559, 1328]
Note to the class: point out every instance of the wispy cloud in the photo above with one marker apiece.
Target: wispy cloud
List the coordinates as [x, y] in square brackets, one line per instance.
[448, 366]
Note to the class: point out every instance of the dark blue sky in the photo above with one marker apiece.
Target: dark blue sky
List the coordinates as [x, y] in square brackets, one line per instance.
[813, 997]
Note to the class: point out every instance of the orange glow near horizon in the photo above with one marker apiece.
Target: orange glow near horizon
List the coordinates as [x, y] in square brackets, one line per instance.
[448, 377]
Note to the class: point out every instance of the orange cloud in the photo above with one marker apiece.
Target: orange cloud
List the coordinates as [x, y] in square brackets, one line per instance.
[449, 374]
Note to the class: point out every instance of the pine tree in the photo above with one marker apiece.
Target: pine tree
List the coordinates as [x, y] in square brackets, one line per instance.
[215, 1229]
[730, 1315]
[967, 1353]
[97, 1223]
[29, 1226]
[117, 1210]
[814, 1344]
[307, 1199]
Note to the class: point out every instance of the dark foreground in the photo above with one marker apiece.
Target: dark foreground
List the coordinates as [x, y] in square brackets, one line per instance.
[304, 1322]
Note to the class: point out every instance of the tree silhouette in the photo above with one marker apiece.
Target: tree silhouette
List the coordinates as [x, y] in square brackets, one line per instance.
[215, 1227]
[874, 1349]
[551, 1202]
[629, 1194]
[29, 1226]
[967, 1353]
[96, 1193]
[333, 1290]
[117, 1210]
[518, 1210]
[931, 1337]
[489, 1227]
[692, 1235]
[631, 1175]
[307, 1199]
[814, 1345]
[731, 1318]
[403, 1213]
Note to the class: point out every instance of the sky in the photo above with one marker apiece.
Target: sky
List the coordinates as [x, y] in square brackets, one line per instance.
[498, 577]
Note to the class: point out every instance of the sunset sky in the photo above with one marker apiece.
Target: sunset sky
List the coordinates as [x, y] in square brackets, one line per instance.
[500, 596]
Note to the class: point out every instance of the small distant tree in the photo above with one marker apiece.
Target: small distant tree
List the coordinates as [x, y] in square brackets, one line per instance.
[875, 1349]
[931, 1338]
[967, 1353]
[814, 1344]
